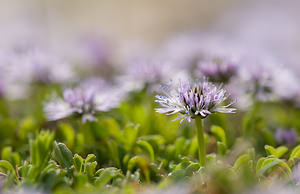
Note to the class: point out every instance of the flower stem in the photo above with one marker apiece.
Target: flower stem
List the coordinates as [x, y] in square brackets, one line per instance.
[201, 143]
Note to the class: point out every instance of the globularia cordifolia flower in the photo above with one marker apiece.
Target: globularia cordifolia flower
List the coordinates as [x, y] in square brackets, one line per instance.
[86, 99]
[147, 72]
[44, 66]
[191, 100]
[288, 137]
[217, 69]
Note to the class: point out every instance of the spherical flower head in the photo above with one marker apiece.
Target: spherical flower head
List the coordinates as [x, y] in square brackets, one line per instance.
[191, 100]
[217, 69]
[85, 100]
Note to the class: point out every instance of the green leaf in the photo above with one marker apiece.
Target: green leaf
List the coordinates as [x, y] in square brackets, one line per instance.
[91, 169]
[295, 153]
[90, 158]
[142, 163]
[27, 126]
[41, 148]
[222, 148]
[114, 151]
[241, 161]
[180, 146]
[7, 166]
[219, 133]
[130, 133]
[146, 147]
[63, 155]
[105, 175]
[8, 169]
[68, 134]
[278, 152]
[264, 165]
[12, 157]
[78, 162]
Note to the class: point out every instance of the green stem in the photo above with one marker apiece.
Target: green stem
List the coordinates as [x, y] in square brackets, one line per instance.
[200, 138]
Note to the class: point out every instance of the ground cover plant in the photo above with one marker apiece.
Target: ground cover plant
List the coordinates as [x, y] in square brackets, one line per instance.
[203, 112]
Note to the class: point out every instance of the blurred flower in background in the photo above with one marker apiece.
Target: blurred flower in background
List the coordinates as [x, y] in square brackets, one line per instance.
[286, 136]
[219, 70]
[88, 98]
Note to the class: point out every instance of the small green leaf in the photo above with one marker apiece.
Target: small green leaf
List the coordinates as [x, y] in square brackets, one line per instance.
[7, 165]
[219, 133]
[63, 155]
[78, 162]
[8, 169]
[91, 169]
[241, 161]
[269, 163]
[295, 153]
[145, 146]
[277, 152]
[90, 158]
[105, 175]
[142, 163]
[221, 148]
[114, 151]
[130, 133]
[68, 134]
[13, 157]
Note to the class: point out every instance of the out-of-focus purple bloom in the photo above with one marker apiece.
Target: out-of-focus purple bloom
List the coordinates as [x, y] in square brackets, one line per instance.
[274, 188]
[86, 99]
[286, 85]
[288, 137]
[149, 72]
[95, 51]
[23, 190]
[199, 99]
[217, 69]
[254, 81]
[188, 48]
[296, 174]
[46, 67]
[20, 69]
[258, 76]
[184, 49]
[92, 54]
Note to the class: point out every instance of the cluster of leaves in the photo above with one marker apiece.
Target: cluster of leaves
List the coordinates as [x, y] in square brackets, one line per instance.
[133, 148]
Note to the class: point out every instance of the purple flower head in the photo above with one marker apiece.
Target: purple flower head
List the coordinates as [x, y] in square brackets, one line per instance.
[149, 72]
[257, 76]
[286, 85]
[296, 174]
[95, 50]
[219, 70]
[44, 66]
[198, 99]
[288, 137]
[86, 99]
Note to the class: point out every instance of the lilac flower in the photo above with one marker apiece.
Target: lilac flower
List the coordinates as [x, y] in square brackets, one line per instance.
[144, 72]
[258, 76]
[44, 66]
[92, 55]
[254, 81]
[296, 174]
[86, 99]
[18, 70]
[286, 136]
[275, 187]
[199, 99]
[217, 69]
[286, 85]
